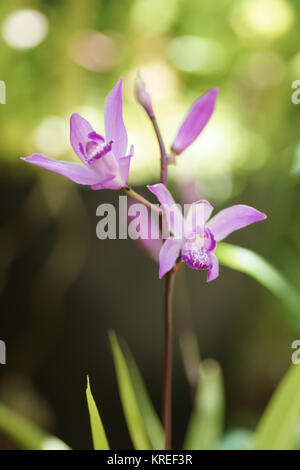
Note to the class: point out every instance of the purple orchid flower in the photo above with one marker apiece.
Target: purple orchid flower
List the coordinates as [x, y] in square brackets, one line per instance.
[196, 237]
[105, 163]
[195, 121]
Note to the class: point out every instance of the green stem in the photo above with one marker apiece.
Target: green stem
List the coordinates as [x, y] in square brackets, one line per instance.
[130, 192]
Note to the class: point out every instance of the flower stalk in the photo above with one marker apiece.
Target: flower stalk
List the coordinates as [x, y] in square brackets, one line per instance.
[144, 99]
[169, 284]
[138, 197]
[167, 388]
[163, 153]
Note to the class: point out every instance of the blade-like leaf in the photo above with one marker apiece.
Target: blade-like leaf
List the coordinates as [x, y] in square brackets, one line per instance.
[236, 439]
[150, 418]
[297, 438]
[98, 433]
[206, 423]
[277, 427]
[26, 434]
[254, 265]
[128, 398]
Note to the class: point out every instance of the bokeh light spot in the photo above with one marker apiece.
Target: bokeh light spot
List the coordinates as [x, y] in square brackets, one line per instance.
[52, 136]
[269, 18]
[160, 78]
[200, 55]
[94, 51]
[153, 16]
[25, 29]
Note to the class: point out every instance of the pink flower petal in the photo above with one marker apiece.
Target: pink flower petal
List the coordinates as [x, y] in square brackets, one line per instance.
[124, 163]
[113, 117]
[168, 255]
[151, 246]
[197, 216]
[76, 172]
[213, 273]
[195, 121]
[172, 211]
[80, 128]
[233, 218]
[162, 194]
[105, 183]
[150, 237]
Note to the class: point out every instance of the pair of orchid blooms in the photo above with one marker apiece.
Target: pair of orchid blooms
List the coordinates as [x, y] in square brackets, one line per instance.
[105, 165]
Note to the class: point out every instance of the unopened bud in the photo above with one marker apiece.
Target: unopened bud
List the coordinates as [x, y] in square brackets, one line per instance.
[143, 97]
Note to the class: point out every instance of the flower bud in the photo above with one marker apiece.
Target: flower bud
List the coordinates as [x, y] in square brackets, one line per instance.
[195, 121]
[143, 97]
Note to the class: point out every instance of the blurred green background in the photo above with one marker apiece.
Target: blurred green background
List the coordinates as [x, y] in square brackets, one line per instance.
[62, 289]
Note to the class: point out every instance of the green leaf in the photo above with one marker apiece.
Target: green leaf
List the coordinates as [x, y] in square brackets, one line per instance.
[236, 439]
[206, 422]
[98, 433]
[297, 438]
[27, 434]
[150, 418]
[128, 398]
[295, 171]
[277, 427]
[256, 266]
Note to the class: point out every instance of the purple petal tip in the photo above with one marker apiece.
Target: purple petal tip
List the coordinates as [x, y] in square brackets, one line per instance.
[195, 120]
[215, 90]
[74, 116]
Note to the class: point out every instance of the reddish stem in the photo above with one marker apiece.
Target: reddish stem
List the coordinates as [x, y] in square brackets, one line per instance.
[170, 276]
[163, 153]
[167, 390]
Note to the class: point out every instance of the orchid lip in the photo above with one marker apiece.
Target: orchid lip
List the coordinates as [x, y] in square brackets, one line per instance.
[196, 259]
[196, 249]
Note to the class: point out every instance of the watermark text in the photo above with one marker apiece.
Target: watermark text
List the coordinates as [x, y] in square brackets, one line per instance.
[2, 352]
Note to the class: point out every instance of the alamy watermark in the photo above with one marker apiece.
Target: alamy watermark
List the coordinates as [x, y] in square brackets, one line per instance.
[295, 97]
[2, 92]
[296, 354]
[136, 221]
[2, 352]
